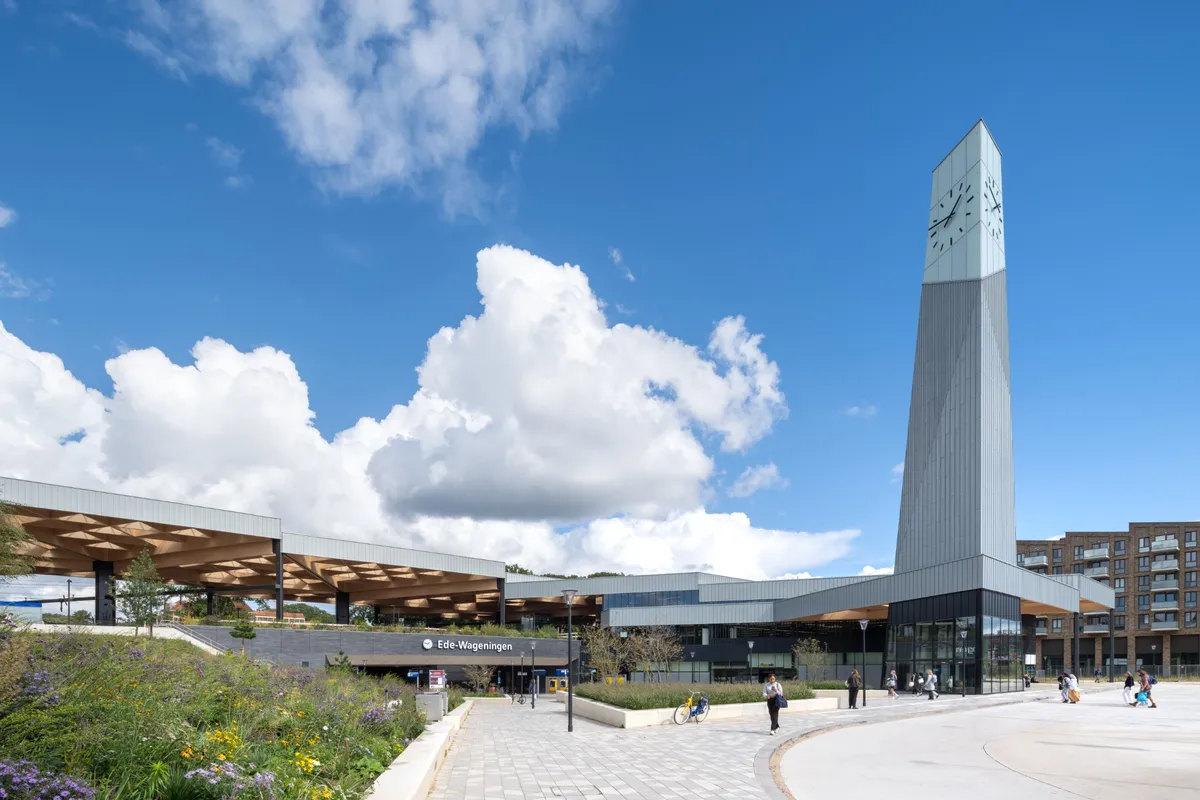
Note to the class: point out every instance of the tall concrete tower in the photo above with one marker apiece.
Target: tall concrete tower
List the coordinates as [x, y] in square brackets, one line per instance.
[958, 498]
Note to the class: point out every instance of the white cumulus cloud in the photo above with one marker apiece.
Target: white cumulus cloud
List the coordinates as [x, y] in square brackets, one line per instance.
[373, 93]
[861, 411]
[7, 215]
[539, 434]
[753, 479]
[872, 571]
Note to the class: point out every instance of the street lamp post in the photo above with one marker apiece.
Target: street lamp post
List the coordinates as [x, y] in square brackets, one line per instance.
[750, 660]
[693, 654]
[862, 623]
[569, 595]
[962, 679]
[533, 671]
[1153, 655]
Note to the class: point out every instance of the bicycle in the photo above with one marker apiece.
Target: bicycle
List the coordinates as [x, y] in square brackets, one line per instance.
[695, 707]
[517, 698]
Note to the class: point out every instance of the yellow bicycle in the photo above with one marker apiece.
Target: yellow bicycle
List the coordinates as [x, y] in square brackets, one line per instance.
[695, 707]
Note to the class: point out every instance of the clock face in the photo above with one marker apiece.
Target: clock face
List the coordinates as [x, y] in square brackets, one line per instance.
[993, 211]
[952, 217]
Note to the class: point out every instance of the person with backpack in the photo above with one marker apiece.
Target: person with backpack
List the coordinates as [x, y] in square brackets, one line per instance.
[1147, 683]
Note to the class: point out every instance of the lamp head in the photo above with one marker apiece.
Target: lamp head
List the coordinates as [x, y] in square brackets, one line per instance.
[862, 623]
[569, 594]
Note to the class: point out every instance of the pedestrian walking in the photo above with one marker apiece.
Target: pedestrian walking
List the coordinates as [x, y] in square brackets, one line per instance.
[891, 683]
[1127, 692]
[931, 685]
[853, 683]
[1072, 687]
[1062, 687]
[772, 692]
[1098, 674]
[1147, 684]
[912, 683]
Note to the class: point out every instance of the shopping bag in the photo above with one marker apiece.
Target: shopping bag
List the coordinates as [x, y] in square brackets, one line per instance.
[780, 701]
[1142, 697]
[1073, 695]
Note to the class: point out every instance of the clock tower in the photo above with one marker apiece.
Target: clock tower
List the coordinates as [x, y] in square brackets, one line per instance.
[958, 498]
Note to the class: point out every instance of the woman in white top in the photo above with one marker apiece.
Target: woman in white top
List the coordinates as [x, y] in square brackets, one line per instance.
[772, 691]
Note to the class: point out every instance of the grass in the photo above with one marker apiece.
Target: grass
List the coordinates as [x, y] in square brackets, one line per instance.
[641, 696]
[486, 629]
[140, 719]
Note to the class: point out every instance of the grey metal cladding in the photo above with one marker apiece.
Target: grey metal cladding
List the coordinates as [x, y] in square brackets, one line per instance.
[769, 590]
[673, 581]
[702, 614]
[321, 547]
[1088, 589]
[954, 576]
[957, 498]
[107, 504]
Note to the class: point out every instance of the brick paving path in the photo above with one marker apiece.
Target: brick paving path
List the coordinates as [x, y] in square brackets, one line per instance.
[505, 752]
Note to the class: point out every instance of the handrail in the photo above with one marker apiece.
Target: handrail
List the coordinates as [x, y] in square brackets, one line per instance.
[199, 637]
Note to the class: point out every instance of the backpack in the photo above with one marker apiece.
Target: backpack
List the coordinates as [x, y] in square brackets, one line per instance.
[1153, 680]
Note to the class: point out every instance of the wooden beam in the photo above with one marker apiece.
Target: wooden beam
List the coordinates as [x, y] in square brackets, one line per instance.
[428, 590]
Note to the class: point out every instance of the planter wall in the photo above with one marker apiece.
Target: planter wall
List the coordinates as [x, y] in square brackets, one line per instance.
[628, 718]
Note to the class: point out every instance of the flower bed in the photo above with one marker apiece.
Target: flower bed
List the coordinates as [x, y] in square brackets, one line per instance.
[134, 718]
[641, 696]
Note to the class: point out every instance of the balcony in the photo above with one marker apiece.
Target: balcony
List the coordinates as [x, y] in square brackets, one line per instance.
[1095, 627]
[1096, 553]
[1041, 630]
[1165, 605]
[1035, 561]
[1164, 546]
[1165, 565]
[1165, 625]
[1162, 586]
[1096, 572]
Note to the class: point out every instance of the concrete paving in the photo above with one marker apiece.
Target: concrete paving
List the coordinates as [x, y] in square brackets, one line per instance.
[1099, 749]
[515, 753]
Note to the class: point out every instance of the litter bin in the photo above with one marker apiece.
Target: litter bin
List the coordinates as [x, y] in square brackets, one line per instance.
[434, 704]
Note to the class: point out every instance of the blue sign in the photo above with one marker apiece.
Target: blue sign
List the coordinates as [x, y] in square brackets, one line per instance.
[413, 673]
[562, 673]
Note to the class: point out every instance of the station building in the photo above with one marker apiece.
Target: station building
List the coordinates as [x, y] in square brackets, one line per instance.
[959, 603]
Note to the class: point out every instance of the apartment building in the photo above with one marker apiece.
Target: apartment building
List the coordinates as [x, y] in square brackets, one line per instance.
[1152, 569]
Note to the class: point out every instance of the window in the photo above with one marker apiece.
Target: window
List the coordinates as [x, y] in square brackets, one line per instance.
[1143, 620]
[1058, 552]
[1189, 579]
[1077, 569]
[1079, 551]
[1120, 606]
[1143, 563]
[1189, 599]
[1119, 566]
[1056, 626]
[1163, 597]
[1143, 602]
[1143, 582]
[1143, 544]
[1040, 570]
[1020, 558]
[1189, 539]
[1119, 622]
[1119, 585]
[1189, 619]
[1058, 570]
[1189, 558]
[1119, 547]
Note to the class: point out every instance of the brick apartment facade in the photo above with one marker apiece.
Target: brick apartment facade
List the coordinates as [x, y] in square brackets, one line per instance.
[1153, 569]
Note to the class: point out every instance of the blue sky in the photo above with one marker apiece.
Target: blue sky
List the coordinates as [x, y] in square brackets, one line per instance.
[770, 164]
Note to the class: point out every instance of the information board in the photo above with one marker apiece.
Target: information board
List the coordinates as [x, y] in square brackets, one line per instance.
[437, 679]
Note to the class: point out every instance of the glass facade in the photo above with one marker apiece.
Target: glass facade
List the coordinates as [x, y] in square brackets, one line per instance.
[641, 599]
[973, 642]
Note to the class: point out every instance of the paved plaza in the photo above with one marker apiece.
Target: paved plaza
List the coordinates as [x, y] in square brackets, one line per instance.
[515, 753]
[1099, 749]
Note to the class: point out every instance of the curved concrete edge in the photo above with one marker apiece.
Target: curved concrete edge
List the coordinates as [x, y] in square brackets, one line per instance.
[766, 755]
[643, 718]
[410, 776]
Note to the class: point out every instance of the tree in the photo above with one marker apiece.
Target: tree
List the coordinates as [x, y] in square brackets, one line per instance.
[362, 615]
[311, 613]
[814, 657]
[243, 630]
[140, 591]
[479, 676]
[80, 617]
[14, 560]
[606, 649]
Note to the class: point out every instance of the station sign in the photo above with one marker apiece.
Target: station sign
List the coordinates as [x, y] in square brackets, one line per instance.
[463, 645]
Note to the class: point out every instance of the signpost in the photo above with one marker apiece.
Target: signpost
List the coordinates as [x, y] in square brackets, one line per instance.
[437, 679]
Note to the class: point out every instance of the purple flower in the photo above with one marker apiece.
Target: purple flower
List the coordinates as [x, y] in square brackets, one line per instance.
[22, 780]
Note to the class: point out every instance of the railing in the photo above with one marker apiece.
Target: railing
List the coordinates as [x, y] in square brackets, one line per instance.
[1096, 628]
[1164, 546]
[1170, 583]
[1165, 625]
[1041, 630]
[1096, 572]
[194, 634]
[1165, 605]
[1034, 561]
[1165, 565]
[1096, 553]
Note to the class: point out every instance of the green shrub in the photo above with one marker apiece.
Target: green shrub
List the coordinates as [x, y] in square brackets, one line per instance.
[139, 718]
[640, 696]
